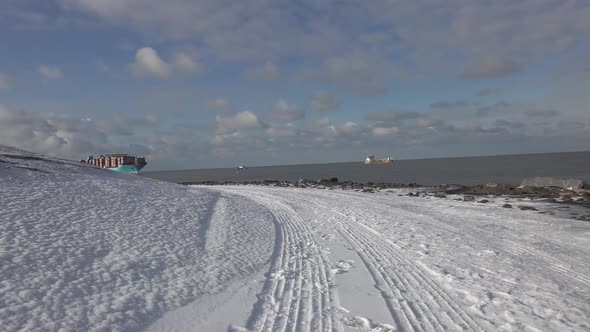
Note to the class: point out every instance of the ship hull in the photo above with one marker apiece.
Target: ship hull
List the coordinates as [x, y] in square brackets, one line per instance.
[128, 169]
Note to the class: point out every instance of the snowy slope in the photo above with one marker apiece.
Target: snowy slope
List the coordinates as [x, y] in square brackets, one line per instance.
[84, 249]
[89, 249]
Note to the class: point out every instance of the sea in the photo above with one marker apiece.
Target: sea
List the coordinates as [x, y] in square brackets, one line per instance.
[505, 169]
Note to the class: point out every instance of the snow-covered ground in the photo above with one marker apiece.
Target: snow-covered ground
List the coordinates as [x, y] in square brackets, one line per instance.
[89, 249]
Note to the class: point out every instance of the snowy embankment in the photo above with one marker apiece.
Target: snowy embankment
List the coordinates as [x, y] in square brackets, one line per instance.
[89, 249]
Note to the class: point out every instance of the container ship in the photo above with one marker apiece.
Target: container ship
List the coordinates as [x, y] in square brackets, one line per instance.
[117, 162]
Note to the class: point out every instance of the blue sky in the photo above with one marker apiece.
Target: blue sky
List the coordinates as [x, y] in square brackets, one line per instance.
[195, 84]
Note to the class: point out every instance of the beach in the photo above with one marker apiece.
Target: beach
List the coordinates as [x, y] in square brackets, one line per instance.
[89, 249]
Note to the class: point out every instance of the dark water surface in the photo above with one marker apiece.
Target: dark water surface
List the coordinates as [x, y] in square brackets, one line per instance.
[510, 169]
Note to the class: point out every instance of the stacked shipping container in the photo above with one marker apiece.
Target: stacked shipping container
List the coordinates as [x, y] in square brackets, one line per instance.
[114, 161]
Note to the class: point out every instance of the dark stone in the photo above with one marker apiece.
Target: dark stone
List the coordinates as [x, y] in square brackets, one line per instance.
[528, 208]
[484, 201]
[468, 198]
[507, 206]
[440, 195]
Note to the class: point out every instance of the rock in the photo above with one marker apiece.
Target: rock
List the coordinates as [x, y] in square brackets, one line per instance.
[492, 185]
[484, 201]
[507, 206]
[440, 195]
[566, 199]
[468, 198]
[528, 208]
[572, 184]
[368, 190]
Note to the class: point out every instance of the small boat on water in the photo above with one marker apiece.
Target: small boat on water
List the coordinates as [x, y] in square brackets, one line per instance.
[118, 162]
[370, 160]
[241, 167]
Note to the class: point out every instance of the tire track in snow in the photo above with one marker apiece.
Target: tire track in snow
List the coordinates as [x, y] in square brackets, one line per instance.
[424, 304]
[298, 294]
[416, 303]
[547, 266]
[486, 237]
[489, 238]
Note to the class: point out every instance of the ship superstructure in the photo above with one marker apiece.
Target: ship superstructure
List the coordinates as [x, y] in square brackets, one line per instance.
[370, 160]
[119, 162]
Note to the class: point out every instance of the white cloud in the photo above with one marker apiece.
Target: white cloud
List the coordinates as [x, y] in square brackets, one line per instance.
[220, 139]
[267, 71]
[323, 101]
[426, 121]
[322, 122]
[5, 81]
[185, 63]
[350, 127]
[51, 72]
[149, 63]
[283, 111]
[385, 131]
[421, 32]
[66, 135]
[240, 120]
[276, 132]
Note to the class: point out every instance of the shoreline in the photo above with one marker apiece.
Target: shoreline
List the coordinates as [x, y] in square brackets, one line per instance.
[562, 197]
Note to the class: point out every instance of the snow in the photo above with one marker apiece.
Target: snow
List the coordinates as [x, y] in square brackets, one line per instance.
[89, 249]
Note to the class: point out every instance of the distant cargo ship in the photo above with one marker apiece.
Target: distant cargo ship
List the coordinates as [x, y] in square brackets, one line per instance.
[117, 162]
[370, 160]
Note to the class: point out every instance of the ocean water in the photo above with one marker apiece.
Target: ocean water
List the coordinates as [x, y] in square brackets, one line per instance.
[508, 169]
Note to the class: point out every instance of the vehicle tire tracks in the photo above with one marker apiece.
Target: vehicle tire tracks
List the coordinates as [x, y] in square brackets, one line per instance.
[298, 293]
[416, 303]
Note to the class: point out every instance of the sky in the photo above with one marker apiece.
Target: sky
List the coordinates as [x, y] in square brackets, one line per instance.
[217, 83]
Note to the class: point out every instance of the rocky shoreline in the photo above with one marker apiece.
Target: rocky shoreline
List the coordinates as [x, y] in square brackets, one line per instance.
[564, 197]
